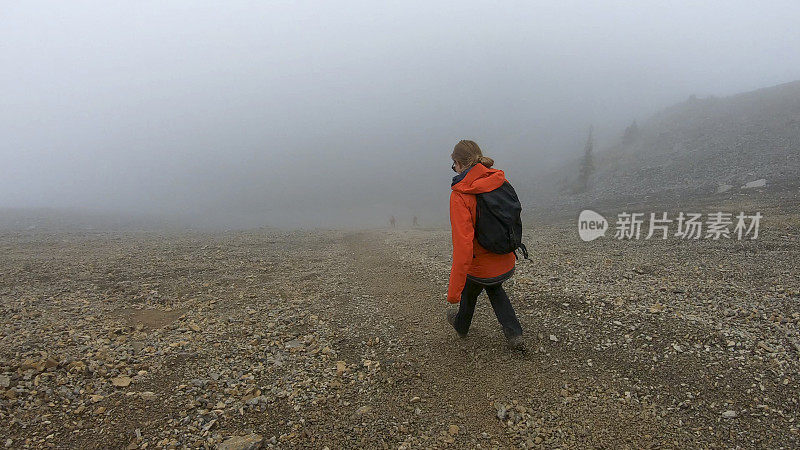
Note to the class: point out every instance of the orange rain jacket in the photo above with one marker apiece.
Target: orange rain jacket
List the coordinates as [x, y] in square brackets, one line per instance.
[469, 258]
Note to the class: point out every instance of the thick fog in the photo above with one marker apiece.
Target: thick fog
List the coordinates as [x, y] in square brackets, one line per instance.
[341, 113]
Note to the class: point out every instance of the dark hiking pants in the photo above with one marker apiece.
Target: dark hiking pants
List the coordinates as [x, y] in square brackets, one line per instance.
[500, 303]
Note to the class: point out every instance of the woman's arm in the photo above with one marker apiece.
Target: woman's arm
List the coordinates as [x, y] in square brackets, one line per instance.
[463, 231]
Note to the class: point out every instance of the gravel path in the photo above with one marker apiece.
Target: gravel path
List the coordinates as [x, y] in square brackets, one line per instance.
[338, 339]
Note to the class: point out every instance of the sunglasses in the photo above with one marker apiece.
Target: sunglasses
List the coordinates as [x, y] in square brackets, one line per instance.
[454, 167]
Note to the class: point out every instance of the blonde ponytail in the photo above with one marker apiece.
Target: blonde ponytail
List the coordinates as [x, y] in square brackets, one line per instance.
[486, 161]
[467, 153]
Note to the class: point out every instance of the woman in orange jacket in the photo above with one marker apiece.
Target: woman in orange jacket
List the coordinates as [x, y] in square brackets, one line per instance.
[475, 268]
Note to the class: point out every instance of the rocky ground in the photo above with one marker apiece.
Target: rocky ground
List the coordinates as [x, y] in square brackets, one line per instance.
[337, 339]
[706, 147]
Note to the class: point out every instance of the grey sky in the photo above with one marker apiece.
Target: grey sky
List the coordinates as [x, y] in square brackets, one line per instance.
[230, 111]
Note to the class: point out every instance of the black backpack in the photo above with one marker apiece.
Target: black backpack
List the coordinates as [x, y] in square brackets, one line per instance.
[498, 227]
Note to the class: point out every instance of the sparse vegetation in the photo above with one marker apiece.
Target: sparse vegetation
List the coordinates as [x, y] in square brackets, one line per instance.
[631, 133]
[587, 164]
[690, 150]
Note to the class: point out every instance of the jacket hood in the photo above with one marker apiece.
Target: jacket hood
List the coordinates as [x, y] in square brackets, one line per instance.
[478, 179]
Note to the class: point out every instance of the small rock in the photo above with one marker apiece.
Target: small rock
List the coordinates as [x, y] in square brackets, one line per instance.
[209, 425]
[553, 338]
[256, 400]
[5, 381]
[760, 183]
[502, 412]
[763, 345]
[729, 414]
[137, 346]
[50, 363]
[29, 364]
[453, 430]
[250, 442]
[294, 344]
[122, 381]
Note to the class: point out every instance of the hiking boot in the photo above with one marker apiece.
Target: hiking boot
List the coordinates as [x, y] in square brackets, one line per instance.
[451, 318]
[516, 343]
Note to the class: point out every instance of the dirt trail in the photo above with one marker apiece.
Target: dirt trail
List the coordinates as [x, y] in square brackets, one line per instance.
[453, 383]
[463, 378]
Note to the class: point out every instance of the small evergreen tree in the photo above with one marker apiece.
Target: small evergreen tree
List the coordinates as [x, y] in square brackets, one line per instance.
[587, 164]
[631, 133]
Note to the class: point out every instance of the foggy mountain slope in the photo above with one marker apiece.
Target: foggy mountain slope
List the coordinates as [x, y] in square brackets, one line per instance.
[692, 149]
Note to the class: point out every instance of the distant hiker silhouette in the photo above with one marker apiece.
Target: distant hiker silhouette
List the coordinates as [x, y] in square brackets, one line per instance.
[414, 222]
[392, 221]
[477, 267]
